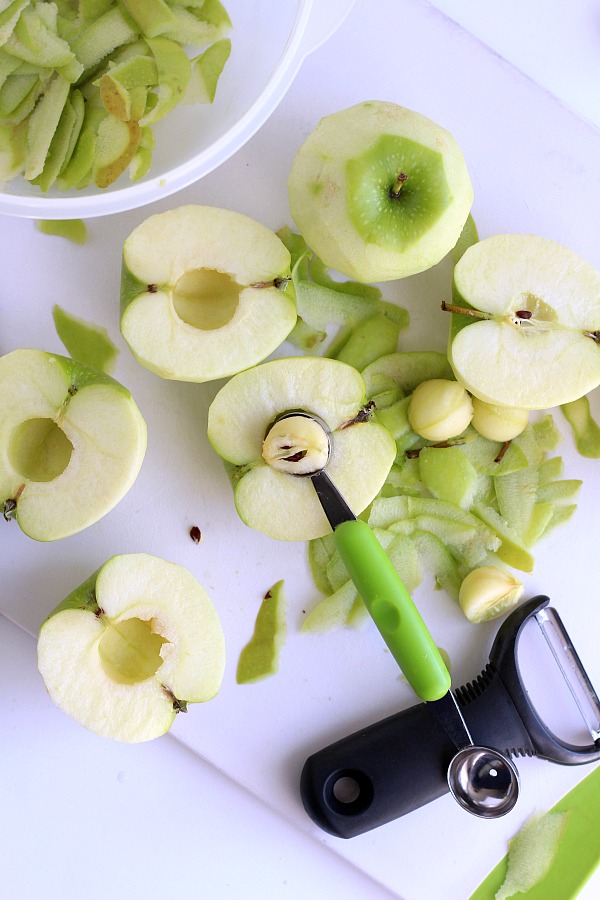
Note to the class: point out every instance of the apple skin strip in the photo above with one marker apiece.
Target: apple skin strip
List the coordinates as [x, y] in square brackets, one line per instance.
[578, 853]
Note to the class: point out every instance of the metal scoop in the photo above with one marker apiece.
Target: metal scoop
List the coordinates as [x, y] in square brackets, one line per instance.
[482, 780]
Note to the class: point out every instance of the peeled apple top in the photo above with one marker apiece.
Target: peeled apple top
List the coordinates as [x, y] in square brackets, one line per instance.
[340, 183]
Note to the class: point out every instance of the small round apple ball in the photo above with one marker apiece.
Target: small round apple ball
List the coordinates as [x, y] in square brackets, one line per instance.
[498, 423]
[439, 409]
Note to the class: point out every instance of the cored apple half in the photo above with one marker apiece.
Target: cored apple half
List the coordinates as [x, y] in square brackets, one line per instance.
[278, 503]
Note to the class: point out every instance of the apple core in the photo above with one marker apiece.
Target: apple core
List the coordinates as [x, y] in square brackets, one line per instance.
[39, 449]
[297, 445]
[129, 650]
[206, 298]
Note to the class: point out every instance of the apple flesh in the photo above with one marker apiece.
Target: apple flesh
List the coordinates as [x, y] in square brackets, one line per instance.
[131, 647]
[380, 192]
[277, 503]
[72, 441]
[529, 336]
[205, 293]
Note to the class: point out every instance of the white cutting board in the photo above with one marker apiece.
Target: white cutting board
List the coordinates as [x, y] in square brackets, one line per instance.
[535, 169]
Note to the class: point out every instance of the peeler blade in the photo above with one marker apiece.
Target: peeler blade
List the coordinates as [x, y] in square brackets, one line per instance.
[571, 668]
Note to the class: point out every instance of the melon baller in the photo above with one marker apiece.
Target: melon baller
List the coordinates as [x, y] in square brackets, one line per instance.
[483, 780]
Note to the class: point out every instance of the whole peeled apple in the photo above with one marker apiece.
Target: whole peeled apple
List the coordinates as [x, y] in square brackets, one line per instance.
[380, 192]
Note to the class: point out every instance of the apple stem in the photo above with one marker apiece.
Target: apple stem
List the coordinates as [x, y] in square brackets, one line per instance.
[9, 507]
[465, 311]
[364, 414]
[279, 283]
[441, 445]
[594, 335]
[502, 451]
[397, 185]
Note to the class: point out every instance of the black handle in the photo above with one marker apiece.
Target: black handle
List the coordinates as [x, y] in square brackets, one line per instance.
[377, 774]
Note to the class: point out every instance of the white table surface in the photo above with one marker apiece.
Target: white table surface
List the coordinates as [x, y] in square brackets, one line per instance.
[82, 817]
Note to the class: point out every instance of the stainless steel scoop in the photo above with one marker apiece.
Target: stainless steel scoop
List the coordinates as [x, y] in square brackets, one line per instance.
[483, 781]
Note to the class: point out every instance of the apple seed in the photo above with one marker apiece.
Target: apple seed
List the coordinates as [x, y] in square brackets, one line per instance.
[195, 534]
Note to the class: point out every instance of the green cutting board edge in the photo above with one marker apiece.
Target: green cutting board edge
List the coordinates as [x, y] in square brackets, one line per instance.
[578, 853]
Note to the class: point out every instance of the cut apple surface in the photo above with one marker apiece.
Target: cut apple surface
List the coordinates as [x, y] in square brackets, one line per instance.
[380, 192]
[131, 647]
[72, 441]
[283, 505]
[205, 293]
[529, 336]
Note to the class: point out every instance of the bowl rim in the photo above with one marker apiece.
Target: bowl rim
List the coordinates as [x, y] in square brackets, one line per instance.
[161, 186]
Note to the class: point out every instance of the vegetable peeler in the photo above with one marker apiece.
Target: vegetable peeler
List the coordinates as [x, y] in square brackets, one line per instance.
[399, 764]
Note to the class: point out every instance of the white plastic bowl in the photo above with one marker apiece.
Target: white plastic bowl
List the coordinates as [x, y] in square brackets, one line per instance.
[270, 38]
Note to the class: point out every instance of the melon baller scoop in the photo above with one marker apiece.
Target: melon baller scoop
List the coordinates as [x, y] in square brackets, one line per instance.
[483, 780]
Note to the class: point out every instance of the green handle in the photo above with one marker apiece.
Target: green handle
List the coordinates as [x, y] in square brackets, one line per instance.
[392, 609]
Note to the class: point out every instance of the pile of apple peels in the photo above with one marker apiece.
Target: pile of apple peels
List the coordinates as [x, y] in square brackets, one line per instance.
[446, 510]
[82, 82]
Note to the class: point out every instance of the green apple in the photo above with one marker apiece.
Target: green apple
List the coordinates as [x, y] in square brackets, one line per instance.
[528, 333]
[90, 344]
[131, 647]
[116, 145]
[72, 229]
[380, 192]
[205, 293]
[72, 441]
[586, 431]
[242, 417]
[153, 16]
[206, 71]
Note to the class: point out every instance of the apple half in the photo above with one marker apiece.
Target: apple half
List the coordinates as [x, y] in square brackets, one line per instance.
[529, 334]
[131, 647]
[72, 442]
[277, 503]
[205, 293]
[379, 192]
